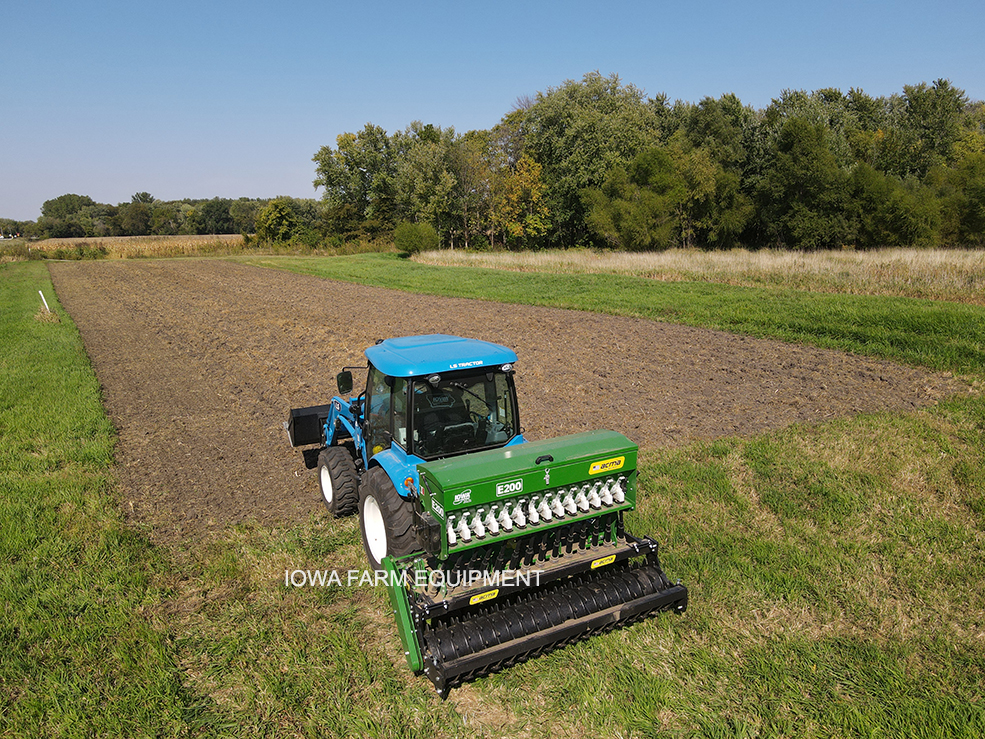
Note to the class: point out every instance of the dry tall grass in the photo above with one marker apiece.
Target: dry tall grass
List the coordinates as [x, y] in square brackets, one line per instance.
[953, 274]
[133, 247]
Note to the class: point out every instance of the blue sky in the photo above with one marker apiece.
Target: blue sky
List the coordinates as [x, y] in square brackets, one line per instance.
[220, 99]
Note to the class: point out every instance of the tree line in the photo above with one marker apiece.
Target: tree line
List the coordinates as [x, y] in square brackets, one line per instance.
[73, 216]
[597, 163]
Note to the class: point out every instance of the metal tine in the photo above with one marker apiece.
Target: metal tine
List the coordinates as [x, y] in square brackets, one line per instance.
[544, 546]
[518, 554]
[610, 528]
[580, 534]
[595, 534]
[559, 539]
[501, 558]
[570, 538]
[533, 554]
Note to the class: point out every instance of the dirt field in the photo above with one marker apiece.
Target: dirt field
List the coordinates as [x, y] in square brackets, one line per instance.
[200, 361]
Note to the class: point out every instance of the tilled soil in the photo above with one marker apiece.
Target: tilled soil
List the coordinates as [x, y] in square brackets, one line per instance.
[201, 360]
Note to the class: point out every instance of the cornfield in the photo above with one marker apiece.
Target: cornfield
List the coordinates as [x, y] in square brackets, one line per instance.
[133, 247]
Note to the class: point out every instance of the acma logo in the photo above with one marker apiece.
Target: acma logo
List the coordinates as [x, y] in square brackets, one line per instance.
[608, 465]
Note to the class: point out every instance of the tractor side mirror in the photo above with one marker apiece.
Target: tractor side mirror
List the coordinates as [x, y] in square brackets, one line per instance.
[344, 381]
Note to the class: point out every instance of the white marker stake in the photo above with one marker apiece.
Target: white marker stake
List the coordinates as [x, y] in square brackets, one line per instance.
[46, 308]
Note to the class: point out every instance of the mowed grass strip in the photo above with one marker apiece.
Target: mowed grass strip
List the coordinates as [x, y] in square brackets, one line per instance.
[76, 659]
[939, 335]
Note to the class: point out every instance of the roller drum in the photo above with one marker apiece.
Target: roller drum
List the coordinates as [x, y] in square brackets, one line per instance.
[476, 646]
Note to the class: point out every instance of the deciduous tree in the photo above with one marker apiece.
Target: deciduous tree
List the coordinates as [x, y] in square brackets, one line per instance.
[578, 132]
[637, 208]
[424, 179]
[519, 211]
[277, 221]
[65, 206]
[215, 216]
[803, 194]
[358, 174]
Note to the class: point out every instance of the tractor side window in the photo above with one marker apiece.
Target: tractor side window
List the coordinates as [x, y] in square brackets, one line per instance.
[501, 425]
[377, 411]
[400, 411]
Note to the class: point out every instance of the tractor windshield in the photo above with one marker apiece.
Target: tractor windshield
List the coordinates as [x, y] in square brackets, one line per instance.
[462, 412]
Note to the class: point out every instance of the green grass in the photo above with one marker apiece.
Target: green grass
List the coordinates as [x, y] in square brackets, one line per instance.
[939, 335]
[837, 572]
[836, 577]
[77, 659]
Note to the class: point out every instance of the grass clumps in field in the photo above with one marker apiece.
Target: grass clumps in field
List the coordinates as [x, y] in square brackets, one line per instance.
[296, 659]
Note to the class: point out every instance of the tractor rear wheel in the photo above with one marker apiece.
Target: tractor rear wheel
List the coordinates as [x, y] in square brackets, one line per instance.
[386, 519]
[338, 480]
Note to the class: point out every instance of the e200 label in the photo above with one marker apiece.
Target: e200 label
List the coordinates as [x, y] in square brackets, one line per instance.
[509, 488]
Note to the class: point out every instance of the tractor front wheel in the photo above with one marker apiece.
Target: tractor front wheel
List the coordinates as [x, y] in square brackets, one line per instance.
[337, 478]
[386, 519]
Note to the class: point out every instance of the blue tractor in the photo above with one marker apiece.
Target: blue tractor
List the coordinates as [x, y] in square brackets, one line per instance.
[461, 511]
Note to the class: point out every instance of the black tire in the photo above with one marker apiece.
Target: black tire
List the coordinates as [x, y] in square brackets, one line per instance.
[338, 480]
[385, 519]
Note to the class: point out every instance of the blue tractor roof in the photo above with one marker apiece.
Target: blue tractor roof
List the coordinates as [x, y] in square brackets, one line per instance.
[412, 356]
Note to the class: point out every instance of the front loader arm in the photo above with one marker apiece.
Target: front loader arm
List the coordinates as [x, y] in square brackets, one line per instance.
[344, 420]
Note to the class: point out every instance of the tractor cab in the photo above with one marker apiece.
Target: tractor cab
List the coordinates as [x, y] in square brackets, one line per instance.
[437, 396]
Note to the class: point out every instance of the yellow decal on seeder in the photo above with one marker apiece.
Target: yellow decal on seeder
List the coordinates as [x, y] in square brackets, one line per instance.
[607, 465]
[604, 561]
[483, 597]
